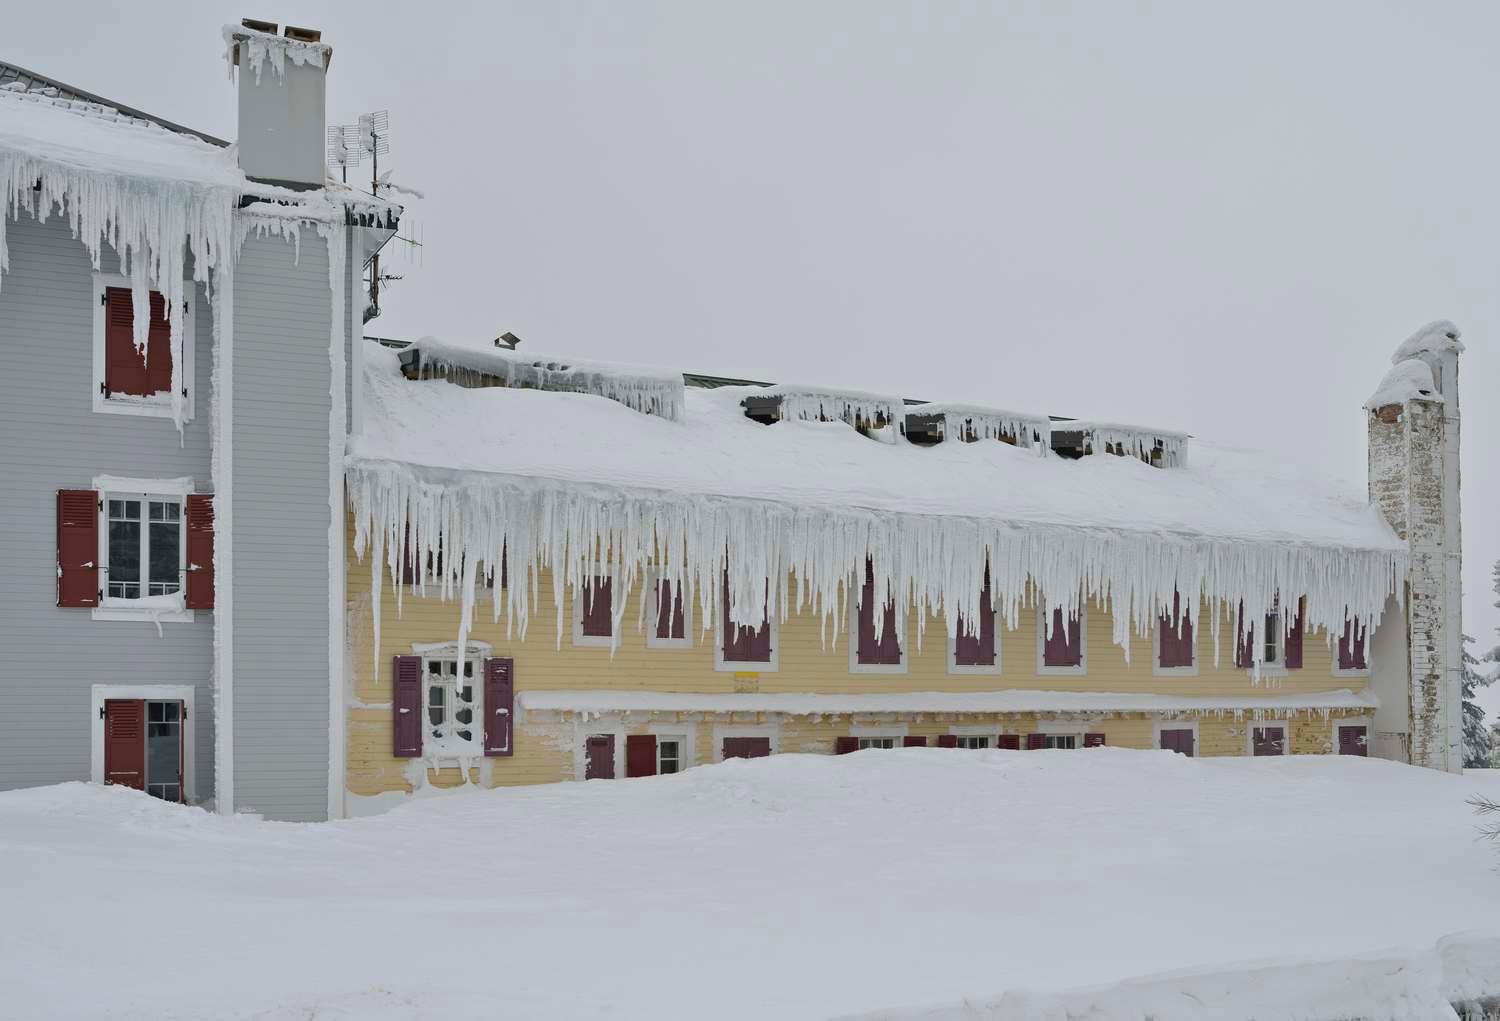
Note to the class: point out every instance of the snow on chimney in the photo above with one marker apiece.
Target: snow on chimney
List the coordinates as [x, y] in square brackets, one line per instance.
[282, 81]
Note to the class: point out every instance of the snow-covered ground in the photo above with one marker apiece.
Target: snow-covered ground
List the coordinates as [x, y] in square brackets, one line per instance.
[898, 882]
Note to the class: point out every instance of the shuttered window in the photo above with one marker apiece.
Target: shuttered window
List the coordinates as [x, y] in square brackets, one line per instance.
[746, 747]
[1062, 643]
[406, 706]
[1174, 637]
[1177, 739]
[974, 642]
[669, 612]
[1009, 742]
[78, 547]
[876, 646]
[640, 755]
[741, 643]
[1093, 740]
[1269, 739]
[200, 552]
[499, 706]
[128, 370]
[594, 616]
[1352, 646]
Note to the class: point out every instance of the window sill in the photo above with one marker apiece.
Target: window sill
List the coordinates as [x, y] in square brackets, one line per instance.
[1062, 671]
[1178, 671]
[746, 666]
[1362, 672]
[159, 406]
[139, 613]
[593, 641]
[668, 643]
[973, 670]
[878, 668]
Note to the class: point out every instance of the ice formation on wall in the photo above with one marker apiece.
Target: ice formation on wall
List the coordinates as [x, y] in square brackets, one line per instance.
[642, 388]
[249, 48]
[1408, 380]
[1132, 440]
[481, 521]
[989, 423]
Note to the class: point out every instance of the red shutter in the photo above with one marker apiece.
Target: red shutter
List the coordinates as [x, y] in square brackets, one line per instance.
[913, 742]
[640, 755]
[1352, 646]
[886, 649]
[1064, 644]
[406, 706]
[159, 348]
[1176, 636]
[124, 365]
[1244, 640]
[845, 745]
[499, 706]
[947, 741]
[1036, 741]
[598, 608]
[744, 644]
[977, 649]
[1094, 740]
[669, 617]
[1270, 739]
[599, 757]
[1292, 647]
[200, 551]
[1178, 740]
[125, 742]
[1353, 740]
[1009, 742]
[77, 547]
[746, 747]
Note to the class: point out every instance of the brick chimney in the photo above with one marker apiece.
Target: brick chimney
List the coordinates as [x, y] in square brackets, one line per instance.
[1413, 432]
[282, 103]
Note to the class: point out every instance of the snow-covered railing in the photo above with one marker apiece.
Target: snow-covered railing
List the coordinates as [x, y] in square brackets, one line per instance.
[970, 422]
[1154, 446]
[645, 389]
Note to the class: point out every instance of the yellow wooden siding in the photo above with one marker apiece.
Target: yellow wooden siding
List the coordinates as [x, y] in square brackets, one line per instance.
[807, 664]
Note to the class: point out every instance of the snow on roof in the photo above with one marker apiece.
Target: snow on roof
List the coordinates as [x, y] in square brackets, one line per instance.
[988, 423]
[814, 403]
[588, 487]
[1410, 380]
[1135, 440]
[648, 390]
[1436, 337]
[1019, 701]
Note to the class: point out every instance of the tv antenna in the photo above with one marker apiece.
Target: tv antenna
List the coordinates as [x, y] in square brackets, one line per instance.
[349, 145]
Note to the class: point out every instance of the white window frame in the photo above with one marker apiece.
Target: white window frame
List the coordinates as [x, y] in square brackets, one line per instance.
[855, 666]
[101, 693]
[144, 490]
[474, 652]
[745, 666]
[1062, 728]
[1043, 612]
[615, 616]
[1250, 725]
[684, 736]
[157, 406]
[1157, 726]
[1368, 722]
[721, 731]
[992, 731]
[653, 609]
[988, 739]
[982, 670]
[1157, 670]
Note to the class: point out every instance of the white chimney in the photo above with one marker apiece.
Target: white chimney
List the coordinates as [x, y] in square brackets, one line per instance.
[282, 81]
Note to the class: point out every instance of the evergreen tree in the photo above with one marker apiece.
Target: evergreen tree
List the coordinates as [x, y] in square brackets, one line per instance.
[1476, 734]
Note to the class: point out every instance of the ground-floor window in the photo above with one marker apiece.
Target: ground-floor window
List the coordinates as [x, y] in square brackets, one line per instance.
[450, 701]
[1353, 738]
[143, 745]
[1270, 739]
[878, 742]
[745, 747]
[599, 757]
[973, 741]
[669, 755]
[1060, 741]
[1177, 739]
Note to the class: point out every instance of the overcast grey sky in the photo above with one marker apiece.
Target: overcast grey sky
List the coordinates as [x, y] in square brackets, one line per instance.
[1216, 218]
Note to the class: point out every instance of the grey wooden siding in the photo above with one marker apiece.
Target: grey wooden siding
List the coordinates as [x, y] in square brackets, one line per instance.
[280, 528]
[54, 440]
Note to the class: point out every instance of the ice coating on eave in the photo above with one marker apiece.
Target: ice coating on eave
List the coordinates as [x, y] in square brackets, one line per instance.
[989, 423]
[811, 403]
[256, 49]
[646, 389]
[1410, 380]
[1437, 337]
[1133, 440]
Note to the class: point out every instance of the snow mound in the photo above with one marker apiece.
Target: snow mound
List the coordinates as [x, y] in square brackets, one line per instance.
[1438, 337]
[1410, 380]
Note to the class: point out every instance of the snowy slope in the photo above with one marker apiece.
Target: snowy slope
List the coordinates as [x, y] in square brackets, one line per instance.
[790, 887]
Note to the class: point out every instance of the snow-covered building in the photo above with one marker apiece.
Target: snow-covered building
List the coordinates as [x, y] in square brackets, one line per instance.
[172, 492]
[568, 570]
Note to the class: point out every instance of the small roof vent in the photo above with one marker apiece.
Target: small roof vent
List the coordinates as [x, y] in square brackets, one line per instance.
[303, 35]
[269, 27]
[508, 340]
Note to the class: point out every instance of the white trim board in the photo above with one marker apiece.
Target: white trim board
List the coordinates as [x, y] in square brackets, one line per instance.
[100, 693]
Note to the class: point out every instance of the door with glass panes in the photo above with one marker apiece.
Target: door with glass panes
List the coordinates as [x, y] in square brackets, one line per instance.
[143, 745]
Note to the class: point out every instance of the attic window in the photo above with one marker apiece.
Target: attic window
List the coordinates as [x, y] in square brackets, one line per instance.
[1156, 447]
[926, 424]
[867, 414]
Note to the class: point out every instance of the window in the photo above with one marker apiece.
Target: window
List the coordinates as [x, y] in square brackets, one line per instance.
[1352, 649]
[1175, 736]
[164, 750]
[450, 702]
[740, 646]
[143, 542]
[126, 379]
[594, 612]
[1353, 738]
[1176, 652]
[975, 650]
[1060, 741]
[872, 649]
[670, 615]
[972, 741]
[1060, 645]
[1269, 739]
[1271, 646]
[878, 742]
[669, 757]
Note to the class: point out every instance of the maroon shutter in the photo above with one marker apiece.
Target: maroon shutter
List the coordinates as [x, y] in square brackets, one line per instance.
[884, 650]
[200, 551]
[845, 745]
[913, 742]
[599, 757]
[1352, 645]
[1166, 642]
[1036, 741]
[1269, 740]
[744, 644]
[1244, 639]
[640, 755]
[745, 748]
[159, 348]
[1178, 740]
[499, 706]
[1064, 644]
[1292, 643]
[1093, 740]
[947, 741]
[1009, 742]
[971, 648]
[408, 559]
[1353, 740]
[669, 617]
[124, 365]
[125, 742]
[598, 608]
[77, 547]
[406, 706]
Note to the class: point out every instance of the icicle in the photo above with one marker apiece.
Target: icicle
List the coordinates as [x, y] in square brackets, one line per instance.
[249, 48]
[971, 422]
[822, 404]
[1131, 440]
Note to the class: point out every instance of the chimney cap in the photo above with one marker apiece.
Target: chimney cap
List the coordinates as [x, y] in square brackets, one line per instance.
[269, 27]
[305, 35]
[508, 339]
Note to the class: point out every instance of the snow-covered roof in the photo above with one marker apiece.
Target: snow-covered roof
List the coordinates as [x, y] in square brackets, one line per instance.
[1134, 440]
[1410, 380]
[1438, 337]
[985, 423]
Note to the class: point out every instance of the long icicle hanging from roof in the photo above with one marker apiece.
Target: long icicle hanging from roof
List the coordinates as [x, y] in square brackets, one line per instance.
[478, 526]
